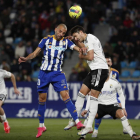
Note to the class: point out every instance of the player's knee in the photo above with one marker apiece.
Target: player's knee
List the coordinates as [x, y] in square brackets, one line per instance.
[95, 93]
[42, 98]
[119, 113]
[65, 96]
[96, 116]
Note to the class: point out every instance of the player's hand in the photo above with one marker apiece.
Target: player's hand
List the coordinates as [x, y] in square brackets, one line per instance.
[125, 113]
[22, 59]
[80, 54]
[84, 113]
[84, 50]
[17, 91]
[69, 37]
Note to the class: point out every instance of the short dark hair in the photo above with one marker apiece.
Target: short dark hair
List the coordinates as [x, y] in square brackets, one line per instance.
[107, 56]
[76, 29]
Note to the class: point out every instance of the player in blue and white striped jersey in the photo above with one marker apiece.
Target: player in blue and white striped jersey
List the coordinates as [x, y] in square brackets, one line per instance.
[51, 72]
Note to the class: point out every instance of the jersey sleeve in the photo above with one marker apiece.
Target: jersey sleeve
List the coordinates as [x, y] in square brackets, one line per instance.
[6, 74]
[42, 43]
[70, 44]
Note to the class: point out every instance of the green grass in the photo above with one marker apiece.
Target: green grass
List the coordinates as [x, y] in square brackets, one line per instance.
[25, 129]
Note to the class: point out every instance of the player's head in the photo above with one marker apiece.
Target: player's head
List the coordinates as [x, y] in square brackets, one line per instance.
[78, 33]
[60, 31]
[109, 61]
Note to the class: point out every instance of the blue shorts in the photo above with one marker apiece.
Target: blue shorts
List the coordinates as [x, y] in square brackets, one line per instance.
[56, 78]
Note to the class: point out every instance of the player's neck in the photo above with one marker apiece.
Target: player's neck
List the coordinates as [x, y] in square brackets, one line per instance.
[85, 36]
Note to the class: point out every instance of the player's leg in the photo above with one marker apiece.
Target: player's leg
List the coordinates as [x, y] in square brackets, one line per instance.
[98, 79]
[126, 124]
[80, 99]
[60, 85]
[71, 108]
[3, 115]
[96, 126]
[41, 111]
[42, 89]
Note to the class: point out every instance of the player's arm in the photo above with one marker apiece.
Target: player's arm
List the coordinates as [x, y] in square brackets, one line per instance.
[13, 80]
[30, 56]
[79, 46]
[7, 74]
[122, 98]
[89, 56]
[87, 107]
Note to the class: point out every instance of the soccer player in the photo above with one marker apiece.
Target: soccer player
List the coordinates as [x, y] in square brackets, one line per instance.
[95, 79]
[113, 73]
[3, 94]
[50, 72]
[108, 104]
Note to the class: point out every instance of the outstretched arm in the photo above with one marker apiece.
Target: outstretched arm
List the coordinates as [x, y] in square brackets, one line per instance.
[14, 84]
[30, 56]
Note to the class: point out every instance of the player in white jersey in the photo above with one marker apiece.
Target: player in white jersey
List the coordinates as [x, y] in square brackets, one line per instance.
[3, 94]
[95, 79]
[108, 104]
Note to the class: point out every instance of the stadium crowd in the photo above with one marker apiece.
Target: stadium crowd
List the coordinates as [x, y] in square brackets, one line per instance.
[23, 23]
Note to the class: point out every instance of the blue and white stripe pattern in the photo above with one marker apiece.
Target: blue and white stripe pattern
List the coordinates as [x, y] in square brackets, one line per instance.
[54, 52]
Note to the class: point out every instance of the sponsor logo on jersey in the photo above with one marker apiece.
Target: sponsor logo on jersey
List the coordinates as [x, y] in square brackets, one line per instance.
[111, 86]
[65, 87]
[57, 48]
[64, 43]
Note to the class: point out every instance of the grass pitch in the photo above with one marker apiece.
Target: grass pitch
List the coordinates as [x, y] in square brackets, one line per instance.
[25, 129]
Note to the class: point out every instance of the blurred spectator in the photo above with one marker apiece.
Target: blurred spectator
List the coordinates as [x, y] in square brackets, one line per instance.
[9, 51]
[127, 22]
[116, 64]
[46, 32]
[26, 35]
[29, 48]
[80, 65]
[4, 56]
[4, 64]
[15, 67]
[108, 49]
[82, 74]
[36, 32]
[73, 76]
[43, 20]
[120, 51]
[130, 50]
[20, 50]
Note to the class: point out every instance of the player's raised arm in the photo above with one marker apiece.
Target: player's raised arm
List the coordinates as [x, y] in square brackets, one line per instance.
[30, 56]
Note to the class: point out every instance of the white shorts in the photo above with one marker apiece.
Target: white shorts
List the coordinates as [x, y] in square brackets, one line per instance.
[3, 96]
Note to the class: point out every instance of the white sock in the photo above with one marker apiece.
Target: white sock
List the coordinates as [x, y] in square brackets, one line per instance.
[85, 122]
[93, 110]
[127, 126]
[77, 121]
[41, 124]
[79, 102]
[3, 117]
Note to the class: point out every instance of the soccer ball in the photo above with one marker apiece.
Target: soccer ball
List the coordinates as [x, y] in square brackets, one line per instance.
[75, 11]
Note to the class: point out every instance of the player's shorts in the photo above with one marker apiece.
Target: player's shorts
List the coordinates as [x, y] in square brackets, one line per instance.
[3, 97]
[96, 79]
[56, 78]
[107, 110]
